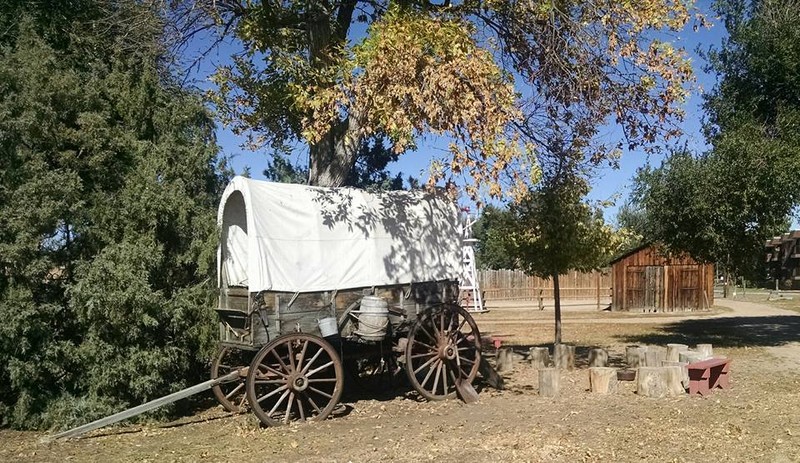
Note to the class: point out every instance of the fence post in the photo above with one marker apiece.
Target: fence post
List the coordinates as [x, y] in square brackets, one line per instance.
[597, 283]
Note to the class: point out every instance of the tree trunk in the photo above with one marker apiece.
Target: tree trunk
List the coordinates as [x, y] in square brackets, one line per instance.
[539, 357]
[654, 356]
[505, 360]
[674, 350]
[634, 356]
[651, 382]
[705, 350]
[602, 380]
[331, 159]
[673, 376]
[549, 382]
[557, 297]
[684, 371]
[564, 356]
[598, 358]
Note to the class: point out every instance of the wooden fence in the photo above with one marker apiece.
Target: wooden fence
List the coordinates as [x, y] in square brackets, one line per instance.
[515, 285]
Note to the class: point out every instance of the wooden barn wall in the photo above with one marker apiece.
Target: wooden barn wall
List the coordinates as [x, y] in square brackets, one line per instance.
[516, 285]
[685, 285]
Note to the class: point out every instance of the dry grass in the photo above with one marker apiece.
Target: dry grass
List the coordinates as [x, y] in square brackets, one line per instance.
[757, 420]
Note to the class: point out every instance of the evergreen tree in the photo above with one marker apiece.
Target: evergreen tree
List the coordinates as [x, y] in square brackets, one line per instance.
[108, 191]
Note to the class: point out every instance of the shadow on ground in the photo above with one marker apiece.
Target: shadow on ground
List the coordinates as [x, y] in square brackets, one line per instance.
[724, 332]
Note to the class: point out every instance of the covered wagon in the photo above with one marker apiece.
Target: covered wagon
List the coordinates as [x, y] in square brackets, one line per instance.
[316, 284]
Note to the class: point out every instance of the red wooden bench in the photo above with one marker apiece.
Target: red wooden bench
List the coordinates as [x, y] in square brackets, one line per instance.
[706, 375]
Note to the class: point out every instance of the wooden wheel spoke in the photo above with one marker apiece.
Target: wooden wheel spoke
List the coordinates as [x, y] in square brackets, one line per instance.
[427, 377]
[425, 354]
[436, 378]
[318, 369]
[311, 362]
[289, 408]
[324, 394]
[291, 355]
[300, 408]
[282, 388]
[273, 371]
[311, 401]
[279, 402]
[269, 381]
[322, 380]
[445, 369]
[458, 333]
[430, 336]
[417, 370]
[429, 347]
[302, 354]
[469, 345]
[280, 360]
[238, 388]
[453, 375]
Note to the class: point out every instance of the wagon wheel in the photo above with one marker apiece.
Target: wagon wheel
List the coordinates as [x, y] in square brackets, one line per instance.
[444, 346]
[295, 377]
[231, 395]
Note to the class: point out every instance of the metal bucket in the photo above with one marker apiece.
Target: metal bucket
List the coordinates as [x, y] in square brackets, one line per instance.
[373, 318]
[328, 327]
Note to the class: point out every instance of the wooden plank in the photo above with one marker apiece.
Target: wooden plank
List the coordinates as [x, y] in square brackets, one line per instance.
[138, 410]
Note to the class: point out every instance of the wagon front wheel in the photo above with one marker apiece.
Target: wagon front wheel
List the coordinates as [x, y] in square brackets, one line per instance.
[295, 377]
[230, 395]
[444, 346]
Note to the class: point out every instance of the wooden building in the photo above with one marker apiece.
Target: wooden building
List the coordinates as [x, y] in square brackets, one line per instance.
[645, 280]
[783, 260]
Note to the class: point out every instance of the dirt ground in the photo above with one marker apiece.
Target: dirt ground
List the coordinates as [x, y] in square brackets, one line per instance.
[758, 419]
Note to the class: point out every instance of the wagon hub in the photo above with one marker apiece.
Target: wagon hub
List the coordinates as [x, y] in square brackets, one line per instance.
[447, 351]
[298, 383]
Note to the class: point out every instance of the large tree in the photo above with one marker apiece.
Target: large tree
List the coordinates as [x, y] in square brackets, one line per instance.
[722, 205]
[108, 191]
[502, 80]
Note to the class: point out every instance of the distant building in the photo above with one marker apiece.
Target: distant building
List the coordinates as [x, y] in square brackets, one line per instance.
[783, 260]
[646, 280]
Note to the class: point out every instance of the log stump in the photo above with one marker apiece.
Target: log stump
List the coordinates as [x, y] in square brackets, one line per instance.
[674, 379]
[539, 357]
[706, 351]
[505, 359]
[634, 356]
[651, 382]
[689, 357]
[654, 356]
[602, 380]
[674, 350]
[684, 371]
[564, 356]
[598, 358]
[549, 382]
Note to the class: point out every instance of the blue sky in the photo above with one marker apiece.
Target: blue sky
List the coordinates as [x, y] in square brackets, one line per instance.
[608, 184]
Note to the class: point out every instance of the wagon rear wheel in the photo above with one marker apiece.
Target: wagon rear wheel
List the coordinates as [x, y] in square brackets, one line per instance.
[231, 395]
[295, 377]
[444, 346]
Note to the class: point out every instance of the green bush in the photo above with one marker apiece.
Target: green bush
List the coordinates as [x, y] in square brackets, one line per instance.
[109, 182]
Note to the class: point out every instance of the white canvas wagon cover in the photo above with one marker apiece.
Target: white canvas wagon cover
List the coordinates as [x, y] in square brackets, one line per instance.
[298, 238]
